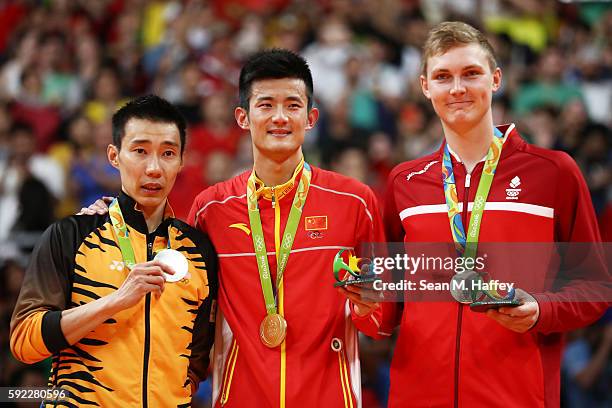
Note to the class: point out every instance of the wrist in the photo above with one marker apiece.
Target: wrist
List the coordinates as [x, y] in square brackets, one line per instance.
[112, 304]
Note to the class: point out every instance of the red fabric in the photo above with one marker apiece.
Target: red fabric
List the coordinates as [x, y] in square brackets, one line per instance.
[189, 183]
[204, 141]
[315, 311]
[44, 120]
[10, 17]
[471, 360]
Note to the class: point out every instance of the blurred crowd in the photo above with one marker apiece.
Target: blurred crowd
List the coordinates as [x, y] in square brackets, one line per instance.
[66, 65]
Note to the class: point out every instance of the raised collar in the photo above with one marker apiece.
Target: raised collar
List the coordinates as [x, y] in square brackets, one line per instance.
[278, 191]
[135, 218]
[511, 143]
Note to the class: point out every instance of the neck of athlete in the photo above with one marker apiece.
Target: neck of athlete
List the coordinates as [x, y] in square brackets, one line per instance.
[153, 215]
[471, 144]
[275, 171]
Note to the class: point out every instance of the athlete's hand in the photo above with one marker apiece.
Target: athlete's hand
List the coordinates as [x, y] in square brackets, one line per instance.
[100, 206]
[144, 278]
[520, 318]
[361, 299]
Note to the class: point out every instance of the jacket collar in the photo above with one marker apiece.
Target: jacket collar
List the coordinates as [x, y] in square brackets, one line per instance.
[135, 218]
[513, 141]
[281, 190]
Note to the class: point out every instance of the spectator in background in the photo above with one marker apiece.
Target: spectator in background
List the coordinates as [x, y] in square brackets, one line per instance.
[218, 129]
[91, 174]
[26, 49]
[30, 184]
[107, 95]
[30, 107]
[586, 366]
[549, 88]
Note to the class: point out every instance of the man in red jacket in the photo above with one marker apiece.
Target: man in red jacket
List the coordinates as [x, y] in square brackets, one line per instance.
[285, 336]
[485, 185]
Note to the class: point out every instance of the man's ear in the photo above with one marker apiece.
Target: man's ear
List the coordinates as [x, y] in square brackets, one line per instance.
[497, 79]
[242, 117]
[112, 153]
[425, 86]
[313, 116]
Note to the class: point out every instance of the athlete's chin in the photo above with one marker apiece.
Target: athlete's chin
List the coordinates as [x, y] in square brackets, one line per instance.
[148, 201]
[281, 147]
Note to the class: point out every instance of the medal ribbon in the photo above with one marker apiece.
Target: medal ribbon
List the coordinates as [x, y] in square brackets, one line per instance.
[123, 236]
[466, 245]
[259, 242]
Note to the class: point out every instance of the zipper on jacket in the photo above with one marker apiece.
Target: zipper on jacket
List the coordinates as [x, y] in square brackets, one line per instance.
[147, 341]
[464, 216]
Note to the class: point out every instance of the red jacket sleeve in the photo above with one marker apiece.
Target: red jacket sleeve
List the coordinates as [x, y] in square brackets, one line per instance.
[586, 295]
[381, 322]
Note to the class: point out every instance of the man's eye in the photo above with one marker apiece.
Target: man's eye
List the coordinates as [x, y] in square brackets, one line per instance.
[140, 151]
[169, 153]
[441, 77]
[471, 73]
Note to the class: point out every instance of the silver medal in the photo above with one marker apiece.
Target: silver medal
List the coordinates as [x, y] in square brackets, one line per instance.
[175, 260]
[461, 287]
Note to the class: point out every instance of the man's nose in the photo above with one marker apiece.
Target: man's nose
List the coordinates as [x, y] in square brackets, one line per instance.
[458, 87]
[280, 115]
[153, 168]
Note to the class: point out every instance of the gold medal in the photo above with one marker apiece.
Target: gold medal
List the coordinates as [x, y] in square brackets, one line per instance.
[273, 330]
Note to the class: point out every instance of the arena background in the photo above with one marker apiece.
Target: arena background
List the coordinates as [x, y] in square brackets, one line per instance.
[66, 65]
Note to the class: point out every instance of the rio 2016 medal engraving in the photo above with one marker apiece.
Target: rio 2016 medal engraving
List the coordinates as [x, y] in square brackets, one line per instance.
[175, 260]
[273, 330]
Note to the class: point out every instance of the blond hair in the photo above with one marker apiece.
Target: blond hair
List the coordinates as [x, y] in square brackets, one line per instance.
[451, 34]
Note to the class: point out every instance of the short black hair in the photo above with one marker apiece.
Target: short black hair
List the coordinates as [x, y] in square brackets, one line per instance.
[149, 107]
[273, 63]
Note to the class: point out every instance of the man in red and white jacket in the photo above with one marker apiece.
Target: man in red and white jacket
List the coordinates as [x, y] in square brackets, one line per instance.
[446, 354]
[317, 364]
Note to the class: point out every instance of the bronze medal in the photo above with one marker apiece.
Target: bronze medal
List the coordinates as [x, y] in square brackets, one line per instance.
[273, 330]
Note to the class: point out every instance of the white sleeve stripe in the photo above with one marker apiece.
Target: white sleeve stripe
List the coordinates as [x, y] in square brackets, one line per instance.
[347, 194]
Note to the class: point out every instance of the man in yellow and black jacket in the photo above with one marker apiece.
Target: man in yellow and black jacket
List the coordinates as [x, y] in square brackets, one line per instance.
[120, 330]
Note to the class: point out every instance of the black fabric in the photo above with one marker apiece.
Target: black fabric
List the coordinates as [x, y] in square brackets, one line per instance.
[134, 218]
[52, 332]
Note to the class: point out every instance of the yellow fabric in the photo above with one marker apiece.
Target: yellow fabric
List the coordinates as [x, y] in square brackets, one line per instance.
[154, 25]
[277, 191]
[26, 341]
